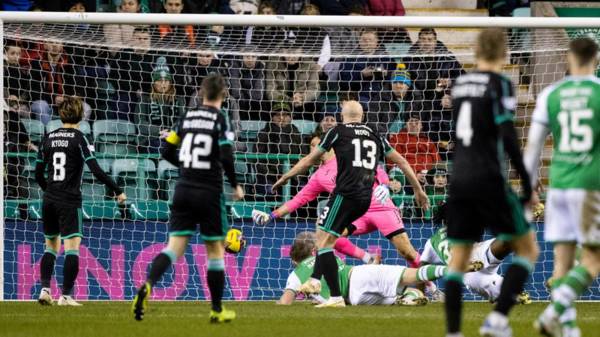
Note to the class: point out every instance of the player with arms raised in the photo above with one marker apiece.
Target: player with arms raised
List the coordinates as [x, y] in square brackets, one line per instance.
[204, 141]
[570, 109]
[63, 153]
[480, 195]
[358, 149]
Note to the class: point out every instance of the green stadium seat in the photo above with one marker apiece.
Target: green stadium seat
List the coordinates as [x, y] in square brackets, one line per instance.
[167, 173]
[57, 123]
[133, 174]
[115, 137]
[93, 191]
[305, 127]
[249, 129]
[35, 129]
[105, 165]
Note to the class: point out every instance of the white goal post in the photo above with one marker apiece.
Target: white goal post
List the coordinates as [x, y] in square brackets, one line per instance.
[112, 267]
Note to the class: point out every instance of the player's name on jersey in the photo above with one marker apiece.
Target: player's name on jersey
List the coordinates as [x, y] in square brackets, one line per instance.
[202, 113]
[198, 124]
[60, 143]
[577, 91]
[469, 90]
[62, 134]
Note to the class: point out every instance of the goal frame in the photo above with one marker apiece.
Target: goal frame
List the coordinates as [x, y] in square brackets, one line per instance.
[260, 20]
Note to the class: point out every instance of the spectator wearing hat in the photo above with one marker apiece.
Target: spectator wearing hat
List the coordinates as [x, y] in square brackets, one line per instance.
[160, 110]
[247, 85]
[420, 152]
[292, 78]
[400, 104]
[279, 136]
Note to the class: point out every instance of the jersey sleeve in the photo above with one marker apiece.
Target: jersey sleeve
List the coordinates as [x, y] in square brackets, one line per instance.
[293, 282]
[329, 140]
[385, 145]
[40, 165]
[87, 150]
[540, 114]
[174, 137]
[506, 101]
[381, 176]
[309, 192]
[226, 134]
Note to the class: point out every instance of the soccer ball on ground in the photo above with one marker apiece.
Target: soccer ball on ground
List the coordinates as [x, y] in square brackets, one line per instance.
[234, 242]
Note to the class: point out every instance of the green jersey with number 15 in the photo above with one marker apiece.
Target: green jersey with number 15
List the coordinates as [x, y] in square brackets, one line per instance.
[571, 110]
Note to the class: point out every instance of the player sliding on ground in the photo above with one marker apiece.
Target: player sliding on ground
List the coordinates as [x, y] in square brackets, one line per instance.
[360, 285]
[202, 148]
[62, 155]
[358, 150]
[480, 195]
[485, 260]
[570, 109]
[382, 214]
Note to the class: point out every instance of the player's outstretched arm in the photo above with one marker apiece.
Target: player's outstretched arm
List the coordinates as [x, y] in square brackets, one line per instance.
[302, 166]
[97, 171]
[420, 196]
[287, 298]
[511, 146]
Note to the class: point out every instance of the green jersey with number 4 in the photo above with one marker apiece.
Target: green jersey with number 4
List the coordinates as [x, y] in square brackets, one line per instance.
[571, 110]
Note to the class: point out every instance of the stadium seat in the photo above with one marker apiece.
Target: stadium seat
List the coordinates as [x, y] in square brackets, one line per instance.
[35, 129]
[167, 173]
[105, 165]
[249, 129]
[305, 127]
[133, 174]
[115, 137]
[57, 123]
[93, 191]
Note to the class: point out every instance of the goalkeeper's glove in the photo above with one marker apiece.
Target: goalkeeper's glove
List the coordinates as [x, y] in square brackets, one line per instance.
[261, 218]
[382, 193]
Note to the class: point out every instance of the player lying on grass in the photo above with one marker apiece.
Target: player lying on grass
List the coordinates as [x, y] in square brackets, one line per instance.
[202, 148]
[486, 258]
[382, 215]
[570, 110]
[360, 285]
[62, 155]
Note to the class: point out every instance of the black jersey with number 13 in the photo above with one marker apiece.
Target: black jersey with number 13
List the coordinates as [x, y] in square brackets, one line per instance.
[481, 102]
[358, 150]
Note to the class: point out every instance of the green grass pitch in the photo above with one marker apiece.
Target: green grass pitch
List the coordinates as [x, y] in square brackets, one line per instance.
[113, 319]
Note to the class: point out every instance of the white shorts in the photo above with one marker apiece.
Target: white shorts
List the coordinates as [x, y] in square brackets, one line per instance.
[480, 251]
[573, 215]
[484, 284]
[374, 284]
[429, 255]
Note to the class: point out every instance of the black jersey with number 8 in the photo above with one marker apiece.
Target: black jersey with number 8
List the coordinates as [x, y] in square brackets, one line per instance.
[358, 151]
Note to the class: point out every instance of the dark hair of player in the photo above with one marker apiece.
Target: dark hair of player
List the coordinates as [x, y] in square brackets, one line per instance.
[213, 87]
[303, 246]
[491, 45]
[584, 49]
[11, 43]
[71, 110]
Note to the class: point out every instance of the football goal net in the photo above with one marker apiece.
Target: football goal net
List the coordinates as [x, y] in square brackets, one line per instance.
[287, 78]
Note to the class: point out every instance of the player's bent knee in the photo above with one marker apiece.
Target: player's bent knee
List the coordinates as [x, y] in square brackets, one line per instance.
[590, 259]
[53, 243]
[215, 249]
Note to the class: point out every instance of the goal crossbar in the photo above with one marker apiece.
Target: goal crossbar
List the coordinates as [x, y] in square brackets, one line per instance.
[299, 20]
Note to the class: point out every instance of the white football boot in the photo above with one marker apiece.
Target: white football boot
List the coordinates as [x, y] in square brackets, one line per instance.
[45, 297]
[67, 300]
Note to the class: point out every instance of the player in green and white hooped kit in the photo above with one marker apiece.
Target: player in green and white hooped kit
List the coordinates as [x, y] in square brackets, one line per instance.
[570, 110]
[359, 285]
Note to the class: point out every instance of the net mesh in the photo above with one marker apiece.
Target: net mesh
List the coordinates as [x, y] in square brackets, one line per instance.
[284, 85]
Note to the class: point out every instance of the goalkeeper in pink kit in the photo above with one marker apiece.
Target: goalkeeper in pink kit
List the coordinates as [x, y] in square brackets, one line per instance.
[382, 215]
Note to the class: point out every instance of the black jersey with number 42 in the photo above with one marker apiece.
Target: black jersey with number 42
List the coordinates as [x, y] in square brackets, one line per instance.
[358, 151]
[200, 133]
[62, 155]
[482, 101]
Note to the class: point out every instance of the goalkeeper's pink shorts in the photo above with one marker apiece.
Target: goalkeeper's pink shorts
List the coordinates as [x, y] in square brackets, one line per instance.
[387, 221]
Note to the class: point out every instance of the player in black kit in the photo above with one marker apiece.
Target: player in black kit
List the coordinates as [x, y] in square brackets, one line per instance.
[358, 151]
[480, 195]
[202, 148]
[62, 155]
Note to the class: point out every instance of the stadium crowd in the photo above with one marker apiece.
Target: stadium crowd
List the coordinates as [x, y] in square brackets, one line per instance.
[286, 78]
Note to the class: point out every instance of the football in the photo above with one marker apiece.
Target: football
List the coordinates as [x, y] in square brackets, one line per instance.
[234, 242]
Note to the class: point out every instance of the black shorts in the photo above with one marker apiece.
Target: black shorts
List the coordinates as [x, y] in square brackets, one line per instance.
[340, 212]
[193, 207]
[468, 217]
[61, 219]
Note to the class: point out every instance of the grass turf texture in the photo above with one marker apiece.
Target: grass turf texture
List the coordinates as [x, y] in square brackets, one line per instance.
[99, 319]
